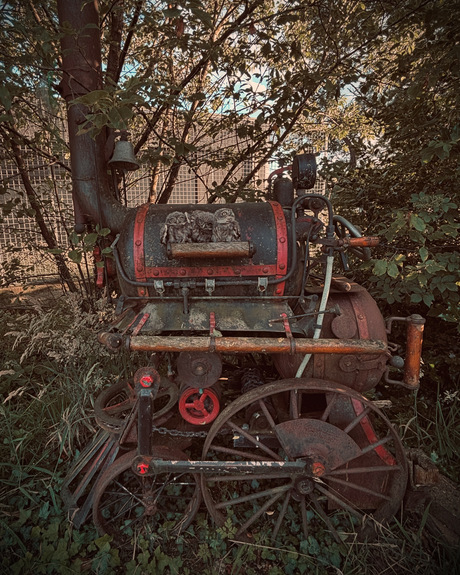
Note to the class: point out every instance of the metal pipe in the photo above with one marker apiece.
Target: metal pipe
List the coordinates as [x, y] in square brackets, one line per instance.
[255, 344]
[217, 249]
[414, 335]
[414, 339]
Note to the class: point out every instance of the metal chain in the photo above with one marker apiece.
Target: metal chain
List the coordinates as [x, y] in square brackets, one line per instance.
[177, 433]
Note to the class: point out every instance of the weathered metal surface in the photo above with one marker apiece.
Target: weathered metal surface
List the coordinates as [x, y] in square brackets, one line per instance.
[415, 326]
[231, 316]
[317, 440]
[77, 491]
[344, 466]
[198, 369]
[255, 344]
[212, 250]
[145, 248]
[359, 320]
[261, 468]
[414, 339]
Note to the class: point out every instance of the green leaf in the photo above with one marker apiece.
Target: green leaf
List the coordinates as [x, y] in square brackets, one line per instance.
[417, 223]
[423, 254]
[75, 256]
[94, 97]
[392, 270]
[90, 239]
[428, 299]
[380, 267]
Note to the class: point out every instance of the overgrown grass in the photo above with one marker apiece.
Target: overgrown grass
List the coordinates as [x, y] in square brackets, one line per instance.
[52, 369]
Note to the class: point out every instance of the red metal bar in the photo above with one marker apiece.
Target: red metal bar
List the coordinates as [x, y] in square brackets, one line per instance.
[138, 248]
[365, 241]
[255, 344]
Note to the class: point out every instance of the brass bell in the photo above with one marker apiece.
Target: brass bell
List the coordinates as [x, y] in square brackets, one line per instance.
[123, 157]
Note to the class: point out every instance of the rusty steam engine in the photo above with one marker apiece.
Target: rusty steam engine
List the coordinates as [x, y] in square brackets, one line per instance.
[258, 355]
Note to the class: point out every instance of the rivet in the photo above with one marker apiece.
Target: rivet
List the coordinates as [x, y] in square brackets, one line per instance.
[282, 240]
[140, 268]
[182, 272]
[265, 270]
[138, 242]
[156, 272]
[282, 266]
[279, 291]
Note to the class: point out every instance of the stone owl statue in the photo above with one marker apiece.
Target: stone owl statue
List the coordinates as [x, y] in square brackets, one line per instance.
[226, 228]
[202, 224]
[176, 228]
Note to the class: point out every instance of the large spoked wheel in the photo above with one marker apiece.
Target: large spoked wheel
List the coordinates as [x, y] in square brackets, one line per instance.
[115, 403]
[343, 228]
[153, 507]
[355, 470]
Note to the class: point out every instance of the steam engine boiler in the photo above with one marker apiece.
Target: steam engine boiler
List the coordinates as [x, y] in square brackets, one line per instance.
[257, 358]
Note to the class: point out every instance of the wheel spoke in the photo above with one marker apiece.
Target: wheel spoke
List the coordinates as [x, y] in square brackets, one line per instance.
[294, 405]
[262, 510]
[324, 517]
[357, 419]
[329, 407]
[351, 485]
[303, 512]
[267, 414]
[373, 446]
[238, 452]
[371, 469]
[281, 515]
[258, 495]
[253, 440]
[337, 500]
[119, 407]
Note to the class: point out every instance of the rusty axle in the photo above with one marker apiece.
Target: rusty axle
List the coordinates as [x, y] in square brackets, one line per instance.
[255, 344]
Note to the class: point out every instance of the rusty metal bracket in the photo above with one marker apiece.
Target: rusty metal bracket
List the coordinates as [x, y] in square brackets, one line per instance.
[212, 330]
[287, 329]
[141, 323]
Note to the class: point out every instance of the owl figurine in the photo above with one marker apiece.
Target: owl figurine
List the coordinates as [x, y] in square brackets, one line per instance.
[202, 224]
[176, 228]
[226, 228]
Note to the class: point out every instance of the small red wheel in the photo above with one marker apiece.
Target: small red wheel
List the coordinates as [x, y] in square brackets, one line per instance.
[199, 406]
